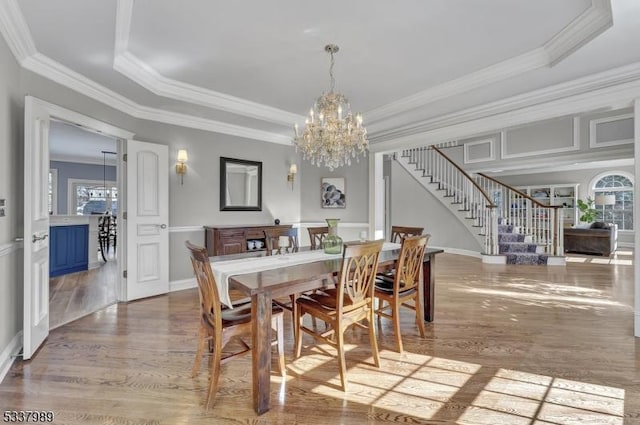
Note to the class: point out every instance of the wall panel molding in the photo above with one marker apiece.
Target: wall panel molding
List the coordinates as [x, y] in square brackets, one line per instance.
[468, 154]
[575, 144]
[593, 131]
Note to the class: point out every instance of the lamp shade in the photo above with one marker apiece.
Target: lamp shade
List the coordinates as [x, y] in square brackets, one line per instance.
[182, 155]
[605, 200]
[293, 169]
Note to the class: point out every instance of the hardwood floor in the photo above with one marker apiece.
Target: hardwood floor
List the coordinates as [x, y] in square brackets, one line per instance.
[509, 345]
[75, 295]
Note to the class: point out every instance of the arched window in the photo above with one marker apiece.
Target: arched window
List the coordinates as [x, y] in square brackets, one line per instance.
[613, 194]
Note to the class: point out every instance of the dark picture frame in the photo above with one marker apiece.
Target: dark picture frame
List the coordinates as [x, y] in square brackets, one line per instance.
[240, 185]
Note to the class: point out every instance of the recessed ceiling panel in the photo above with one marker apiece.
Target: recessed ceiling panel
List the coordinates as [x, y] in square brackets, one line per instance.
[272, 52]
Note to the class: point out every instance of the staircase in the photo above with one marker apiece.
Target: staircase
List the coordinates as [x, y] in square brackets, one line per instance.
[512, 227]
[518, 248]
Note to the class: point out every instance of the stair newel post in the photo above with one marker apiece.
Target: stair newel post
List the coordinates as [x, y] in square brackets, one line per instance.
[558, 245]
[493, 231]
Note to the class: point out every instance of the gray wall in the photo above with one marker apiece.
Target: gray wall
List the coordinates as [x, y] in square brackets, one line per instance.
[74, 170]
[356, 191]
[11, 189]
[413, 205]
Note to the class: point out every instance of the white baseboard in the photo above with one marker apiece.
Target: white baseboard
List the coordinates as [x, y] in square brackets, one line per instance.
[8, 355]
[179, 285]
[556, 260]
[466, 252]
[494, 259]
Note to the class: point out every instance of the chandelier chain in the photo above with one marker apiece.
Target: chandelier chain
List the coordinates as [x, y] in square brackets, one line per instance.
[333, 80]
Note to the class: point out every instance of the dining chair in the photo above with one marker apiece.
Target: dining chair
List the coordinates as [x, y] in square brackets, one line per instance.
[404, 286]
[400, 232]
[348, 304]
[272, 241]
[113, 232]
[317, 235]
[219, 325]
[103, 235]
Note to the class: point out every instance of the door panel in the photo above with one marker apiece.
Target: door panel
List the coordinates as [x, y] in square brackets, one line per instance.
[36, 226]
[147, 219]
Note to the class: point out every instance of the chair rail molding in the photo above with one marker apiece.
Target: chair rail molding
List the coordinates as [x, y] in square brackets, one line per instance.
[8, 248]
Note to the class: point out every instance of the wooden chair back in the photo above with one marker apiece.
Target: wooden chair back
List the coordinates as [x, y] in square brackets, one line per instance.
[317, 235]
[409, 265]
[357, 275]
[210, 305]
[272, 241]
[398, 233]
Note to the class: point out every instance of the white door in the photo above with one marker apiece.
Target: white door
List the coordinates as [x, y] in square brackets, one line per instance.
[36, 226]
[147, 217]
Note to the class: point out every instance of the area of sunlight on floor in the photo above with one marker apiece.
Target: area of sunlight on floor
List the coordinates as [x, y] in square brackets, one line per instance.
[426, 384]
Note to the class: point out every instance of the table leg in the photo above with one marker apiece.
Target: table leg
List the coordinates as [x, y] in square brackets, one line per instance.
[261, 352]
[428, 289]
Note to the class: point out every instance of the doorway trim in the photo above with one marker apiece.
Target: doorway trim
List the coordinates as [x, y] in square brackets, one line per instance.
[96, 126]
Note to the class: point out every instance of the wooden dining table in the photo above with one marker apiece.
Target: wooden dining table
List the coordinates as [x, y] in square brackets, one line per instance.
[263, 286]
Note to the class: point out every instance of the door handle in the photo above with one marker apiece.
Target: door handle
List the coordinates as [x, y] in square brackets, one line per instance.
[39, 238]
[163, 226]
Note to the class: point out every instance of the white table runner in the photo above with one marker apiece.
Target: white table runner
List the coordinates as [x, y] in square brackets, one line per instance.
[222, 270]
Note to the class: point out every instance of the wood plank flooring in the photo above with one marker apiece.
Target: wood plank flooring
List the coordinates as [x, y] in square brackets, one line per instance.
[76, 295]
[509, 345]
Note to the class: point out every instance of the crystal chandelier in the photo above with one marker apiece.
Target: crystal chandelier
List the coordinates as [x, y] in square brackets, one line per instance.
[332, 136]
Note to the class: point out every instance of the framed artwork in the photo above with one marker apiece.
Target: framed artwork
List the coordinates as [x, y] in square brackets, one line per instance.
[333, 193]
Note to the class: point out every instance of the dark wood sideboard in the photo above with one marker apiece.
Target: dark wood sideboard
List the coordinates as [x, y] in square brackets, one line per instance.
[232, 239]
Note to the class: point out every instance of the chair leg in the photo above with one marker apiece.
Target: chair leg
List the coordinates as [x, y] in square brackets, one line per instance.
[279, 319]
[396, 324]
[342, 365]
[201, 341]
[420, 316]
[298, 331]
[373, 341]
[214, 374]
[294, 315]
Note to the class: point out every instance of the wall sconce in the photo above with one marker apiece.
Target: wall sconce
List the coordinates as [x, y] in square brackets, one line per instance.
[293, 170]
[181, 166]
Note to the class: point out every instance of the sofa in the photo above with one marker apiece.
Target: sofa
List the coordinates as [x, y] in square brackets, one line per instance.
[600, 239]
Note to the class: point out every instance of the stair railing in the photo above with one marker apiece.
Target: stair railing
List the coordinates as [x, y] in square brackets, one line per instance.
[463, 190]
[526, 214]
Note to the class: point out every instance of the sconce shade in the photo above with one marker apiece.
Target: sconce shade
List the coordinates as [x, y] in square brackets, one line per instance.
[605, 200]
[293, 169]
[182, 155]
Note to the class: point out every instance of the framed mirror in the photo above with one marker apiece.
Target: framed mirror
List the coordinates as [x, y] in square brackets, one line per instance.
[240, 185]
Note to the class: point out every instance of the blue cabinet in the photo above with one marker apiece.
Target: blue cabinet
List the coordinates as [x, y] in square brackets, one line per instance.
[68, 250]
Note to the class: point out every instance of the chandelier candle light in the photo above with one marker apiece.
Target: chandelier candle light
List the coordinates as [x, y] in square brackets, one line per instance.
[332, 136]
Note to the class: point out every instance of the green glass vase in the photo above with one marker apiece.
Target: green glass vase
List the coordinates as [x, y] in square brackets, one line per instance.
[332, 243]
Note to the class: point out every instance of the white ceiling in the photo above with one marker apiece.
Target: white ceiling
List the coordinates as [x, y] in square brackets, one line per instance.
[254, 68]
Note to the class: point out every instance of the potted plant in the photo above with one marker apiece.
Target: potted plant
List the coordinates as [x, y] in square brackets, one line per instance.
[588, 214]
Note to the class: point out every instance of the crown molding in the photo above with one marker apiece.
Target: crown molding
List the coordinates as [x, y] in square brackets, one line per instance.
[555, 94]
[15, 30]
[42, 65]
[124, 14]
[534, 59]
[146, 76]
[615, 88]
[595, 20]
[589, 24]
[82, 160]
